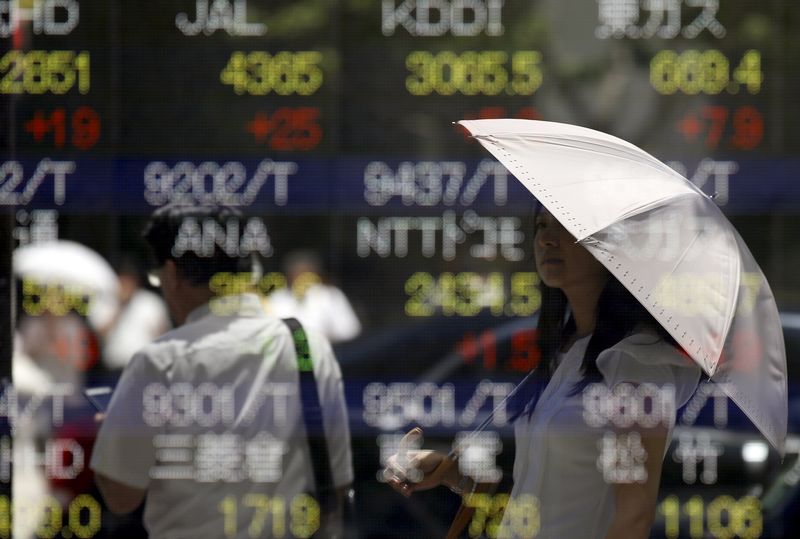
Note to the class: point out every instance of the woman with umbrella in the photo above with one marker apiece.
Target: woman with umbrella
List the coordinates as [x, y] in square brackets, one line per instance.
[591, 471]
[622, 344]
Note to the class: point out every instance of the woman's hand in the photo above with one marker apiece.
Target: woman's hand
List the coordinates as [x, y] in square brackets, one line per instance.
[410, 470]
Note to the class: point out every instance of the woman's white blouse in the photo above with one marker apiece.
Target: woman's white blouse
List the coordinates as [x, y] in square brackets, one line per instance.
[572, 448]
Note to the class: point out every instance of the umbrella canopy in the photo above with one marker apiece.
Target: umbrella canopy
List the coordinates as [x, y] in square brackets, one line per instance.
[71, 264]
[668, 243]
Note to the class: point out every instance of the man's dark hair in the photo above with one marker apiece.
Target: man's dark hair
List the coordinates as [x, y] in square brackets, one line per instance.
[181, 233]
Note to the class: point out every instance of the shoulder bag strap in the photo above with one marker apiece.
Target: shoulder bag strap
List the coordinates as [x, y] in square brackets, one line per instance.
[312, 416]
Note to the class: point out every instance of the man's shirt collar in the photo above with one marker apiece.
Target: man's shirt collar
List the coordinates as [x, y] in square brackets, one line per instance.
[233, 305]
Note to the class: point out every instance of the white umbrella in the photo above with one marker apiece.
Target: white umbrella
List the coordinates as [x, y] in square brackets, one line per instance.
[71, 264]
[668, 243]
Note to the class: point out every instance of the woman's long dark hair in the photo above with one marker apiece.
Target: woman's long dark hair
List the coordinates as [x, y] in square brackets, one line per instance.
[618, 314]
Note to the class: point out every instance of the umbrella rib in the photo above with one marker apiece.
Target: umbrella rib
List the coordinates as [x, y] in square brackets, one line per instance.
[654, 204]
[620, 153]
[683, 254]
[634, 152]
[614, 179]
[757, 420]
[642, 158]
[637, 210]
[728, 316]
[630, 153]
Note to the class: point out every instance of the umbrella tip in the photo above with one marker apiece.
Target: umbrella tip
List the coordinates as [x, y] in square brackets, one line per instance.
[462, 129]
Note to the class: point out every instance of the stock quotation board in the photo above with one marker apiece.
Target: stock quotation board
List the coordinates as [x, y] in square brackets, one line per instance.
[330, 125]
[341, 113]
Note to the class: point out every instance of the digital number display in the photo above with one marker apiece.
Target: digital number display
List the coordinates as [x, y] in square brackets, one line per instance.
[722, 517]
[474, 73]
[287, 129]
[84, 127]
[39, 298]
[431, 183]
[330, 126]
[717, 126]
[709, 72]
[468, 293]
[285, 73]
[210, 182]
[303, 515]
[43, 72]
[482, 349]
[80, 518]
[18, 189]
[490, 509]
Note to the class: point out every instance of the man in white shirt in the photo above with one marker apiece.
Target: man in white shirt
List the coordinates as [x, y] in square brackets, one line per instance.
[141, 317]
[207, 421]
[317, 304]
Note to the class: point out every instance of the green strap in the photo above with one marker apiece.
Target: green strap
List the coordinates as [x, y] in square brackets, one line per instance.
[304, 362]
[312, 416]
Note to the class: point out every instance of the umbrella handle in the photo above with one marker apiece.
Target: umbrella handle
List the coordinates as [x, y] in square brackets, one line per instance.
[464, 514]
[460, 521]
